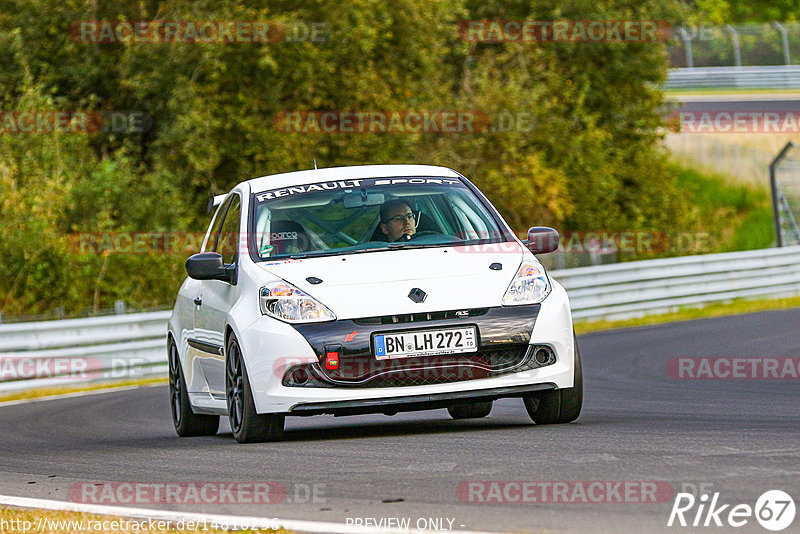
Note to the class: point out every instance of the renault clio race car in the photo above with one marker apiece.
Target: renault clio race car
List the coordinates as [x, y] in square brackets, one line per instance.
[366, 289]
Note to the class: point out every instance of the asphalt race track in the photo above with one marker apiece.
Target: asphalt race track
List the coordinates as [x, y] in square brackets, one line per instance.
[737, 437]
[733, 104]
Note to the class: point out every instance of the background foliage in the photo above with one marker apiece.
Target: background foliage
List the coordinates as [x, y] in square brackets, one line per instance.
[592, 161]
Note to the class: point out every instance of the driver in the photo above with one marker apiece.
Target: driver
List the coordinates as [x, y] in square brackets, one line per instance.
[397, 220]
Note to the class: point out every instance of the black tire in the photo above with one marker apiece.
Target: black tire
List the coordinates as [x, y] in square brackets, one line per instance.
[470, 411]
[247, 425]
[187, 423]
[560, 405]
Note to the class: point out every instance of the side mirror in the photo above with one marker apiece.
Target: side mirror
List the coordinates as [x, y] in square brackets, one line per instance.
[208, 266]
[542, 240]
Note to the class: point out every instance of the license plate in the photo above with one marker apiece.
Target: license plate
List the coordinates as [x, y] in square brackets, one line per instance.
[425, 343]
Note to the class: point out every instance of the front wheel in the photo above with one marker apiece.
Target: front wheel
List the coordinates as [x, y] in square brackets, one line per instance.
[187, 423]
[248, 426]
[560, 405]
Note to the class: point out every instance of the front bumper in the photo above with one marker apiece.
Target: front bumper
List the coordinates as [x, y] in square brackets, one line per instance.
[272, 348]
[409, 403]
[502, 338]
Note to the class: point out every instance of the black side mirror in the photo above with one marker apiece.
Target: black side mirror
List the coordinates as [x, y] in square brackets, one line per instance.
[209, 266]
[542, 240]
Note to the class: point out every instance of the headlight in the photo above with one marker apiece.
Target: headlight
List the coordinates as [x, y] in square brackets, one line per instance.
[288, 303]
[529, 286]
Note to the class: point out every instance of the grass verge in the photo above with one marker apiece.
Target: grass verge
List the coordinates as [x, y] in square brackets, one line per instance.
[62, 390]
[20, 520]
[734, 216]
[735, 307]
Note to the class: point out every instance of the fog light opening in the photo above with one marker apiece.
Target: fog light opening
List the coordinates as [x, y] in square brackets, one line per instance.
[299, 376]
[544, 355]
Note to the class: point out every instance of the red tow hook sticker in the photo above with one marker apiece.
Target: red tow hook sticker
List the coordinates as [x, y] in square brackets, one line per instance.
[331, 360]
[351, 336]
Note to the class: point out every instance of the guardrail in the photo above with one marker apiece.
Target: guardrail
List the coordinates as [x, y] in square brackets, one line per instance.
[764, 77]
[624, 290]
[54, 353]
[135, 345]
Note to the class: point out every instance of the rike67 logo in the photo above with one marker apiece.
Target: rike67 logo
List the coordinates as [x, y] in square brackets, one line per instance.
[774, 510]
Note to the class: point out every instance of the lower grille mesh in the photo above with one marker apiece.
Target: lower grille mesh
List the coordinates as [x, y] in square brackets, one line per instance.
[483, 364]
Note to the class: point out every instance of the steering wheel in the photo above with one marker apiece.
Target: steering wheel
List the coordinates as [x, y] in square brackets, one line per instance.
[422, 233]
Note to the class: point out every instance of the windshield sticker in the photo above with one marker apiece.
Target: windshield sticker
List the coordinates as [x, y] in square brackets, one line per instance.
[284, 262]
[350, 184]
[395, 181]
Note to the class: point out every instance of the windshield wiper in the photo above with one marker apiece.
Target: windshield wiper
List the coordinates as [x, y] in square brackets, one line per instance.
[311, 255]
[411, 244]
[389, 246]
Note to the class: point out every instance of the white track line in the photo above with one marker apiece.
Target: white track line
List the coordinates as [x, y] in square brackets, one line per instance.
[245, 521]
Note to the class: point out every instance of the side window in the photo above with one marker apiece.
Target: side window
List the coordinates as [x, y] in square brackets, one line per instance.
[214, 235]
[227, 243]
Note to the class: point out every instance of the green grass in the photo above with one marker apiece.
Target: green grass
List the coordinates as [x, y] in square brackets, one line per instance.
[737, 216]
[735, 307]
[756, 231]
[56, 391]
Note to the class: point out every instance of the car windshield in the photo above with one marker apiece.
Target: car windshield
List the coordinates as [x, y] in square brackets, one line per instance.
[362, 215]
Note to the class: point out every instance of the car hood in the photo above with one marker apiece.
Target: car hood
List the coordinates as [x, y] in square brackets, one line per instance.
[378, 283]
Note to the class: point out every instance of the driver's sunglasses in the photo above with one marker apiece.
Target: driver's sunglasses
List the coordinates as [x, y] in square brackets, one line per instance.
[401, 218]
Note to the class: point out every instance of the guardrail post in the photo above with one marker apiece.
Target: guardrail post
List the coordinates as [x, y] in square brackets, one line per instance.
[785, 37]
[737, 51]
[774, 187]
[119, 307]
[687, 45]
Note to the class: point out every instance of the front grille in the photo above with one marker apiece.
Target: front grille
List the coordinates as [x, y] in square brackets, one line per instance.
[425, 371]
[420, 317]
[502, 359]
[426, 377]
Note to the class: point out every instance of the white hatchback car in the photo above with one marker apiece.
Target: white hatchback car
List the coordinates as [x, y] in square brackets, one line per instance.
[368, 289]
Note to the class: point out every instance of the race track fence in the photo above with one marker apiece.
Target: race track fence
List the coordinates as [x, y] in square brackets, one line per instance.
[53, 353]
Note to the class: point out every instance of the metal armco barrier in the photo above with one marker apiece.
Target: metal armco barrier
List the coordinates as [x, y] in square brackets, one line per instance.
[56, 353]
[624, 290]
[134, 345]
[765, 77]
